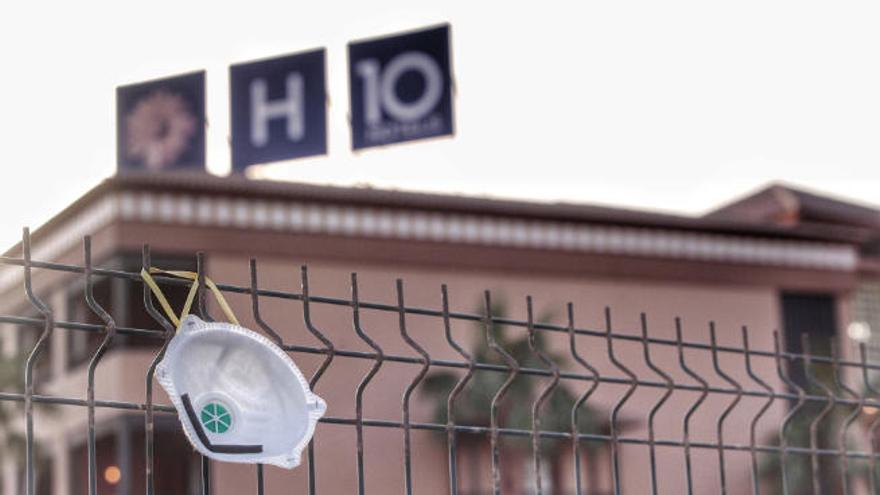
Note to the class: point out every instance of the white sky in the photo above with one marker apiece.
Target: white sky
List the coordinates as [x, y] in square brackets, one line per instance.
[671, 105]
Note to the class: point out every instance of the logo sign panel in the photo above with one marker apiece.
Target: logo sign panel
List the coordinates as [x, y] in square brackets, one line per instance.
[278, 109]
[160, 124]
[400, 88]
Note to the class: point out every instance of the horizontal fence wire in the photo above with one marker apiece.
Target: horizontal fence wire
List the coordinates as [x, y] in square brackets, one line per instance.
[815, 399]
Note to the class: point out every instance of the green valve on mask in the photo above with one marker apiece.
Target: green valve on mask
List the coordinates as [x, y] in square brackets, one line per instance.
[216, 418]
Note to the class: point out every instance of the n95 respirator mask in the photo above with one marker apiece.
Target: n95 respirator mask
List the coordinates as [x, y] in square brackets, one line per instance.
[239, 397]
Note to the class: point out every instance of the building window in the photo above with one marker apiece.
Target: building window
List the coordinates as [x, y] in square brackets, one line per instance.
[813, 314]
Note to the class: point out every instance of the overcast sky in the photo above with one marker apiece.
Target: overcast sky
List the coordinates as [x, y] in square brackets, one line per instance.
[668, 105]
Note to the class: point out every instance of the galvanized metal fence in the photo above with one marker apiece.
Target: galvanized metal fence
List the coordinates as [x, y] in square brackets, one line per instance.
[809, 436]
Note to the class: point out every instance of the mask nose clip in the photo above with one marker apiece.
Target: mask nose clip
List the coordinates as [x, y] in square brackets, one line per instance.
[189, 322]
[317, 405]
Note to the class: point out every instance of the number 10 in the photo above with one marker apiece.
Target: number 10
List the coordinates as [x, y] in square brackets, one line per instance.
[380, 83]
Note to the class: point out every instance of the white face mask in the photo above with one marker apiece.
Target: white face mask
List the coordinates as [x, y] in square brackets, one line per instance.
[240, 398]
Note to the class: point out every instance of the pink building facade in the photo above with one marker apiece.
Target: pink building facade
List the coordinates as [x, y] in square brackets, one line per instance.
[745, 265]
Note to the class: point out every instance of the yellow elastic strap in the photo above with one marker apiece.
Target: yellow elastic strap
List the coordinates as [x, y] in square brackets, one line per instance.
[190, 297]
[148, 279]
[221, 301]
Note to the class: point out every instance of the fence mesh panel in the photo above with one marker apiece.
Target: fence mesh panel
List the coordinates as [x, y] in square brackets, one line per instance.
[516, 405]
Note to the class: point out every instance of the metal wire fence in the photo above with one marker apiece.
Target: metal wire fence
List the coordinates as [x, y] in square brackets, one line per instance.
[809, 447]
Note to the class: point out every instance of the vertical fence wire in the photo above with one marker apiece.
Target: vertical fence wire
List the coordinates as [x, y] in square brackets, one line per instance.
[454, 394]
[255, 306]
[872, 428]
[542, 396]
[652, 448]
[782, 371]
[513, 371]
[359, 393]
[727, 410]
[704, 393]
[426, 364]
[261, 486]
[109, 333]
[41, 343]
[615, 411]
[149, 412]
[313, 381]
[753, 424]
[848, 421]
[816, 384]
[201, 296]
[576, 408]
[268, 330]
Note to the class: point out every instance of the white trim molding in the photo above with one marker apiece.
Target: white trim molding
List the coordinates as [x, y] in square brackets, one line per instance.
[390, 223]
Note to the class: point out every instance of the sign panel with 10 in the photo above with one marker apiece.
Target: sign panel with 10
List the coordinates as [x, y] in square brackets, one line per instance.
[400, 87]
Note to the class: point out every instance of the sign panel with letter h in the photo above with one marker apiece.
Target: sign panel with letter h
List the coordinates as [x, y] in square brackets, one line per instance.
[278, 109]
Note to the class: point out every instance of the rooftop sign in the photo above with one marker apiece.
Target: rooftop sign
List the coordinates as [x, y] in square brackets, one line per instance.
[400, 90]
[278, 109]
[160, 124]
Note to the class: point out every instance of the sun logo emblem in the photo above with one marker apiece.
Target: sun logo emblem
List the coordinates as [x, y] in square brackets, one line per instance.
[216, 418]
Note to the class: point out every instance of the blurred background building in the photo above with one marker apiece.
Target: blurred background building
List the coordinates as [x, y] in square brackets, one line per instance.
[780, 258]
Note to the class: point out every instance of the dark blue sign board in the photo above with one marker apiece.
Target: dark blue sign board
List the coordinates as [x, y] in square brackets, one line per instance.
[160, 124]
[400, 88]
[278, 109]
